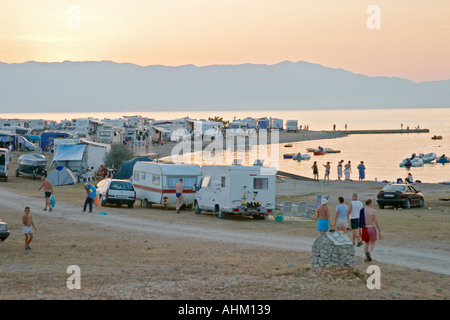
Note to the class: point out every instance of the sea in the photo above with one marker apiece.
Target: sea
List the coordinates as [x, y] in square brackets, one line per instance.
[381, 153]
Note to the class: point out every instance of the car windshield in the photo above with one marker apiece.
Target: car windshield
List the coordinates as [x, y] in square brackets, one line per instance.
[394, 187]
[121, 185]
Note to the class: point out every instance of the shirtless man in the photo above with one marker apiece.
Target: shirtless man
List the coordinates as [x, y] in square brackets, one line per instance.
[179, 194]
[369, 234]
[28, 226]
[323, 217]
[48, 191]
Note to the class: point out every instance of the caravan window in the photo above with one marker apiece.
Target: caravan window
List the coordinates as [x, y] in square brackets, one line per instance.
[260, 183]
[136, 175]
[156, 179]
[143, 175]
[205, 182]
[188, 182]
[222, 182]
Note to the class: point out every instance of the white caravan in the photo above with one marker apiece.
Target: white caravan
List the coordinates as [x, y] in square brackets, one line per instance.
[237, 189]
[155, 182]
[292, 125]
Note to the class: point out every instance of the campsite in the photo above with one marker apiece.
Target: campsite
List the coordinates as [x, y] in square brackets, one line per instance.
[144, 253]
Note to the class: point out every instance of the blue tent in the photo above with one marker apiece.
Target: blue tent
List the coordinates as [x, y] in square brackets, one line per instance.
[126, 168]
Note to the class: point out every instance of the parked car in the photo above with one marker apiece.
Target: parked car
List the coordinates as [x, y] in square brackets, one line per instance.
[116, 191]
[4, 232]
[400, 195]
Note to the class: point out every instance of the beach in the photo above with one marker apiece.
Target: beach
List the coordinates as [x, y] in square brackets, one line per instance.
[154, 253]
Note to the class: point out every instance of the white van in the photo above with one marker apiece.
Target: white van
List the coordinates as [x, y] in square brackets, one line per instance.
[237, 189]
[155, 182]
[292, 125]
[4, 163]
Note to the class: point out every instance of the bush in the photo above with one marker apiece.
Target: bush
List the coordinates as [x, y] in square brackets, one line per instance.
[117, 155]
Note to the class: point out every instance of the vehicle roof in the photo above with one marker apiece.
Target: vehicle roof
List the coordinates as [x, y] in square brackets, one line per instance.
[174, 169]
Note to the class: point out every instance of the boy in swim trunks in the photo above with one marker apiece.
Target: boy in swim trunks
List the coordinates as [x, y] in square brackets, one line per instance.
[28, 226]
[369, 233]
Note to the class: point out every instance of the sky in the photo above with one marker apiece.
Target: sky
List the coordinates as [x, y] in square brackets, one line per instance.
[397, 38]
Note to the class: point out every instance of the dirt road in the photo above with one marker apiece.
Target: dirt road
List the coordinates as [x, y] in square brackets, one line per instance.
[426, 260]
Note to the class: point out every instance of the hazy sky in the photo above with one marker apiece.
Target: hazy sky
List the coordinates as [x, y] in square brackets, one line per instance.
[413, 42]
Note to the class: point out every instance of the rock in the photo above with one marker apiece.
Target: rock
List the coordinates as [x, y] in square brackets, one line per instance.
[333, 248]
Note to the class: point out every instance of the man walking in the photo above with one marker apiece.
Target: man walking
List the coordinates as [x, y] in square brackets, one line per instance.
[179, 194]
[369, 234]
[354, 209]
[88, 200]
[48, 191]
[28, 226]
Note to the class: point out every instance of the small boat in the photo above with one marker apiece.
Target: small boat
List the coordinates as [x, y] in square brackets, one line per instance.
[288, 145]
[416, 162]
[300, 157]
[310, 149]
[427, 158]
[436, 137]
[320, 152]
[288, 155]
[329, 150]
[443, 159]
[31, 164]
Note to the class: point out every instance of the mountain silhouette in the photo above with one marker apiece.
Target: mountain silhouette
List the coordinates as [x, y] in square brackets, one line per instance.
[102, 86]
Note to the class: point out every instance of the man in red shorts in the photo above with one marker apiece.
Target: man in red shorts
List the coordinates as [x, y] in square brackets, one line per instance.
[369, 231]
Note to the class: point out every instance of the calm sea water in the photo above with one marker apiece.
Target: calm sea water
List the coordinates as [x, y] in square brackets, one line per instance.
[381, 153]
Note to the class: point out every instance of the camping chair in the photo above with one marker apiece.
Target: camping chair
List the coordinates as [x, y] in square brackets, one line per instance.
[287, 210]
[301, 209]
[312, 208]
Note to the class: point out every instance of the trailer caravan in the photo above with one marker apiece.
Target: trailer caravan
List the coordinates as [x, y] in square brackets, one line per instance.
[291, 125]
[237, 189]
[155, 182]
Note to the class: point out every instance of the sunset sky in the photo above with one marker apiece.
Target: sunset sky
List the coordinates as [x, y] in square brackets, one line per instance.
[413, 42]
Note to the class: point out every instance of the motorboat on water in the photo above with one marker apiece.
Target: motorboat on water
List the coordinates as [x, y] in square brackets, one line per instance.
[320, 152]
[330, 150]
[288, 145]
[443, 159]
[435, 137]
[31, 164]
[300, 157]
[427, 158]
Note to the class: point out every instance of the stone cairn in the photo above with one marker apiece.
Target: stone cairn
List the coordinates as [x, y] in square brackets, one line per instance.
[333, 248]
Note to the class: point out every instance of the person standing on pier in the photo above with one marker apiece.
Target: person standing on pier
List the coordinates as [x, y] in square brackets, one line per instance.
[347, 170]
[315, 170]
[339, 169]
[362, 171]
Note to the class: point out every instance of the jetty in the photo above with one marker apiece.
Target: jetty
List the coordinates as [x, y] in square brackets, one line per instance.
[293, 176]
[387, 131]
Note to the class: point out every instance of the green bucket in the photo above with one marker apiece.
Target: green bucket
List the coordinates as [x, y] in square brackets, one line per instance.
[278, 218]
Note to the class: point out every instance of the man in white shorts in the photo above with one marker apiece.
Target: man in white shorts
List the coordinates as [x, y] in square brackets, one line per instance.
[354, 209]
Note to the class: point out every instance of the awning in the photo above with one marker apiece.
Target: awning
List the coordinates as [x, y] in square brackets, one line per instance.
[69, 152]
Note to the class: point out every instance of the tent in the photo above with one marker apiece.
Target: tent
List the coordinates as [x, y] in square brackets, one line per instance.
[61, 176]
[126, 168]
[71, 155]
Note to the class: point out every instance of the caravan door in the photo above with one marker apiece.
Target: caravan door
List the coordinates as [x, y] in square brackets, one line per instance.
[4, 163]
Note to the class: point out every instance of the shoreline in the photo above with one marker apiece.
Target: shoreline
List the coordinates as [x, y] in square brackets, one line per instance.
[162, 151]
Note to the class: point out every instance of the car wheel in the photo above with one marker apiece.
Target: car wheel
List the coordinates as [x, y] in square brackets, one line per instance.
[197, 208]
[408, 204]
[381, 206]
[421, 203]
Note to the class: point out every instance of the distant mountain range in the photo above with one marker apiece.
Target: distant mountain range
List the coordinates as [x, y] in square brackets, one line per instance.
[109, 86]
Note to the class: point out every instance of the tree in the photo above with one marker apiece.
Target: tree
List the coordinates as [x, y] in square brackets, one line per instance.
[117, 155]
[219, 119]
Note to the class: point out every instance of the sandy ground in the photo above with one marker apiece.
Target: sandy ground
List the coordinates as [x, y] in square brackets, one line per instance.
[144, 253]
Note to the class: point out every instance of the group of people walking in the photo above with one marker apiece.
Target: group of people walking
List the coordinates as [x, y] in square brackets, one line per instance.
[356, 217]
[343, 170]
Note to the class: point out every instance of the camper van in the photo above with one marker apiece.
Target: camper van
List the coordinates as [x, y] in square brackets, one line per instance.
[4, 163]
[291, 125]
[237, 189]
[155, 182]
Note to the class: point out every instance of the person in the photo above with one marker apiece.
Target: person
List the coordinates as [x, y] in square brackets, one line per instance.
[371, 226]
[347, 170]
[179, 194]
[48, 191]
[315, 170]
[101, 172]
[327, 171]
[323, 217]
[28, 226]
[362, 171]
[340, 221]
[354, 208]
[88, 200]
[409, 178]
[339, 169]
